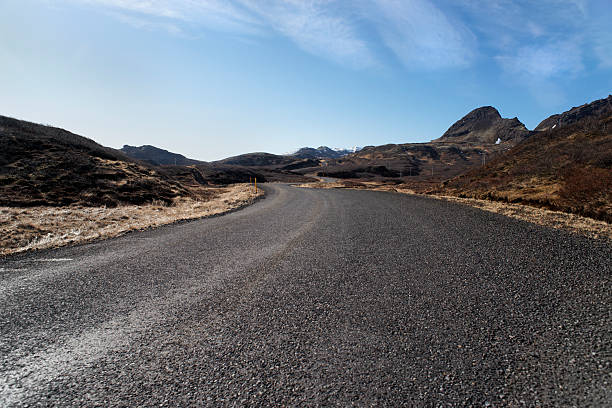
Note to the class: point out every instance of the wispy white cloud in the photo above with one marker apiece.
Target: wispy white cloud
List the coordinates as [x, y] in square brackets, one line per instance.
[542, 39]
[538, 46]
[544, 61]
[321, 27]
[417, 32]
[158, 8]
[143, 23]
[603, 50]
[421, 35]
[216, 14]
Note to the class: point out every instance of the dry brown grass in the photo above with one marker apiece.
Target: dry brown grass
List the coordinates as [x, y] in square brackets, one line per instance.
[540, 216]
[334, 184]
[566, 169]
[31, 228]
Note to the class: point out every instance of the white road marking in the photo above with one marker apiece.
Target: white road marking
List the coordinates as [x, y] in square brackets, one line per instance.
[53, 260]
[12, 269]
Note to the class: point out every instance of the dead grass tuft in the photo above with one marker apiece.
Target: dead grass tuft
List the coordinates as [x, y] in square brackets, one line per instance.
[540, 216]
[32, 228]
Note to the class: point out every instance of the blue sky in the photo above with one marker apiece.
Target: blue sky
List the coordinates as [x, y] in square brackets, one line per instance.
[212, 78]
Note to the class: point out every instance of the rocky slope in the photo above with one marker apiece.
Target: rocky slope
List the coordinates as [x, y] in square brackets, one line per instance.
[485, 126]
[568, 168]
[590, 110]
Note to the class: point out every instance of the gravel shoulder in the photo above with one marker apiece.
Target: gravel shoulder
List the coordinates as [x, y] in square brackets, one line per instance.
[554, 219]
[314, 297]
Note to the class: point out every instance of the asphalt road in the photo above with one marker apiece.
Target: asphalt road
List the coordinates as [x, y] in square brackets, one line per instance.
[314, 297]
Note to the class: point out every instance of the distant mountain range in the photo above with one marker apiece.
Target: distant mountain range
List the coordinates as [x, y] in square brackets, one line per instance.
[160, 157]
[476, 138]
[322, 152]
[566, 157]
[465, 144]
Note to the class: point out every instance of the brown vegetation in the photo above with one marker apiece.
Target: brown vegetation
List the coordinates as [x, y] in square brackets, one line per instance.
[46, 227]
[540, 216]
[41, 165]
[567, 169]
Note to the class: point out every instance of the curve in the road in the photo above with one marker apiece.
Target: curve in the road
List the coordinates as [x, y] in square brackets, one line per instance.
[313, 297]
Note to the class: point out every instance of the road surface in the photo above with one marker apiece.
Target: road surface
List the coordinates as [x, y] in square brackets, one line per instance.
[313, 297]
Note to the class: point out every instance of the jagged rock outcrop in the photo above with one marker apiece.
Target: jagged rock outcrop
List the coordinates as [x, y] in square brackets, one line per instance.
[590, 110]
[485, 126]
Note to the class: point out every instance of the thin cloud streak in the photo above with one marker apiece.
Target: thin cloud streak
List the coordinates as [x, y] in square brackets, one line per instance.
[541, 39]
[421, 35]
[418, 33]
[215, 14]
[317, 27]
[546, 61]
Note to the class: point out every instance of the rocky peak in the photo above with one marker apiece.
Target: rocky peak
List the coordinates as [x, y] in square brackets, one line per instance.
[485, 125]
[482, 113]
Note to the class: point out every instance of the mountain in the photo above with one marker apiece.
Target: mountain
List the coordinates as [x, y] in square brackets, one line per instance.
[157, 156]
[257, 159]
[485, 126]
[590, 110]
[42, 165]
[322, 152]
[479, 135]
[414, 160]
[567, 167]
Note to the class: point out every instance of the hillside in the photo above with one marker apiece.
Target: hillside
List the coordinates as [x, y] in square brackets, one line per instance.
[42, 165]
[567, 168]
[157, 156]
